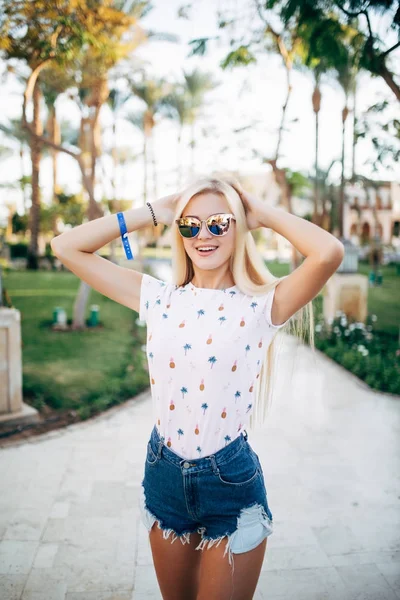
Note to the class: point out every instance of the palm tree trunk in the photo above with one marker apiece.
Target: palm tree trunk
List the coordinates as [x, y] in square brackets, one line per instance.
[36, 149]
[55, 137]
[24, 187]
[341, 192]
[113, 256]
[353, 157]
[316, 167]
[316, 102]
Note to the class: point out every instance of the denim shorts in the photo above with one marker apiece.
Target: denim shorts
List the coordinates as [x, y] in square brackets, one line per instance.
[219, 495]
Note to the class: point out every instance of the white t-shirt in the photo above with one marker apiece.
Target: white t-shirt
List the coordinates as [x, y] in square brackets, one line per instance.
[204, 349]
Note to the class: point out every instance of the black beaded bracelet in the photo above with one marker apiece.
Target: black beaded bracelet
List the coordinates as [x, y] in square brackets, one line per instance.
[152, 212]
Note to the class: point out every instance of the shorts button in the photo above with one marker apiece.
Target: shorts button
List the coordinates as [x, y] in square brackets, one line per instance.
[186, 464]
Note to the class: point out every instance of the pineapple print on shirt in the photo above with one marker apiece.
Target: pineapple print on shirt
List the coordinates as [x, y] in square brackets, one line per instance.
[204, 349]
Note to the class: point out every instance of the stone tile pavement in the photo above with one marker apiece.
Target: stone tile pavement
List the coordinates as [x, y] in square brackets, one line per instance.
[69, 525]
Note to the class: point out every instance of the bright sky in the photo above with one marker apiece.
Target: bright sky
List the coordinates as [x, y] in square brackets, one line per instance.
[245, 96]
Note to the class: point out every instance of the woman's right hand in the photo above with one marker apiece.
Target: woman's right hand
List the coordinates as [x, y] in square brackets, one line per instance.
[165, 208]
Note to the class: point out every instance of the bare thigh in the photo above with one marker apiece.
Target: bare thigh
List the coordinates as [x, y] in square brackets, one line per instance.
[216, 579]
[176, 564]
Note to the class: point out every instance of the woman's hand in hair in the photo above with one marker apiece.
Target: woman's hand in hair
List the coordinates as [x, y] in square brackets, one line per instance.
[252, 208]
[165, 208]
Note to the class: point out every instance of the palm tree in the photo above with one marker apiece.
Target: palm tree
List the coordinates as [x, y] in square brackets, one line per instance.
[197, 84]
[316, 104]
[177, 105]
[151, 92]
[116, 99]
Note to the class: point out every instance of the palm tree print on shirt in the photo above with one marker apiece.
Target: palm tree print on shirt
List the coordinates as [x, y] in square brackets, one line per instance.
[229, 376]
[212, 360]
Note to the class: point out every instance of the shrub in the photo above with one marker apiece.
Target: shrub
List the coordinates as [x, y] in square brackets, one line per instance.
[371, 355]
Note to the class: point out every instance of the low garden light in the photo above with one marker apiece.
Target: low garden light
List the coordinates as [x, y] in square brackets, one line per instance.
[55, 314]
[94, 315]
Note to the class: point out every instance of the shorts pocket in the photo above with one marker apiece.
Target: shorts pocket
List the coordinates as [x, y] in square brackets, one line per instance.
[240, 470]
[151, 457]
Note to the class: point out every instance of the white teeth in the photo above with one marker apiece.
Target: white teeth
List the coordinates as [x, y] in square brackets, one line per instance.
[208, 248]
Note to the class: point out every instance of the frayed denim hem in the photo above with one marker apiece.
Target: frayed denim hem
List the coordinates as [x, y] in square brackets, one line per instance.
[247, 535]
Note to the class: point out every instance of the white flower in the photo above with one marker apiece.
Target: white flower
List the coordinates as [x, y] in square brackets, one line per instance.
[318, 328]
[374, 317]
[366, 352]
[352, 326]
[330, 321]
[346, 332]
[336, 329]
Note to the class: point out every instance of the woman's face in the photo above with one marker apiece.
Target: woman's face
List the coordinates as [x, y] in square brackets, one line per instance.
[202, 207]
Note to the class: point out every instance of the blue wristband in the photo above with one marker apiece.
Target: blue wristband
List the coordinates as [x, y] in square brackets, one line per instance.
[124, 236]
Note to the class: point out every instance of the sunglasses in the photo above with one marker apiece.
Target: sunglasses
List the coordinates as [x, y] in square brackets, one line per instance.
[218, 225]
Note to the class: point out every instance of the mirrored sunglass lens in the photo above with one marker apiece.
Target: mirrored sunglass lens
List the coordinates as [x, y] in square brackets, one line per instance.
[189, 228]
[218, 225]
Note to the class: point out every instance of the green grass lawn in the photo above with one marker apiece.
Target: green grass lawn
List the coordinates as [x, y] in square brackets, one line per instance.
[67, 367]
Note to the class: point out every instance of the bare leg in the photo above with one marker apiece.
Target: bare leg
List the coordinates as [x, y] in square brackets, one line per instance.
[216, 579]
[176, 565]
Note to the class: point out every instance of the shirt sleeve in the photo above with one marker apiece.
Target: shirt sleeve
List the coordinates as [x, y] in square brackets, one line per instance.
[151, 289]
[268, 308]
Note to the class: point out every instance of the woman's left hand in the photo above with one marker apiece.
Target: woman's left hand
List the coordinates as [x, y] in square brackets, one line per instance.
[252, 206]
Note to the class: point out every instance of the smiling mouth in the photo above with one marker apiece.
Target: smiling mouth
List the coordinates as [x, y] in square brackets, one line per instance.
[206, 252]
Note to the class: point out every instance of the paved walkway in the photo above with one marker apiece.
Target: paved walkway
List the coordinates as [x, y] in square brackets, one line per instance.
[69, 525]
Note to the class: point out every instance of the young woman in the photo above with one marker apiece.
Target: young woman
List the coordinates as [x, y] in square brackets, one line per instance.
[209, 338]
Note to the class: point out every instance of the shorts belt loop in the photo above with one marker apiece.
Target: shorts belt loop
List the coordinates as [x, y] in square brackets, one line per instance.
[213, 463]
[160, 445]
[245, 435]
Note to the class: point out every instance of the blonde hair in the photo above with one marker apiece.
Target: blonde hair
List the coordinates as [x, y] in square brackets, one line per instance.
[249, 272]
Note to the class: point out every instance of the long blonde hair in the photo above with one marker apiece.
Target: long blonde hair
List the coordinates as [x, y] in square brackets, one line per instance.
[249, 272]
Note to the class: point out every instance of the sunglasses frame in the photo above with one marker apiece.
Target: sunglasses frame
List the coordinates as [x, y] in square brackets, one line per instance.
[201, 221]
